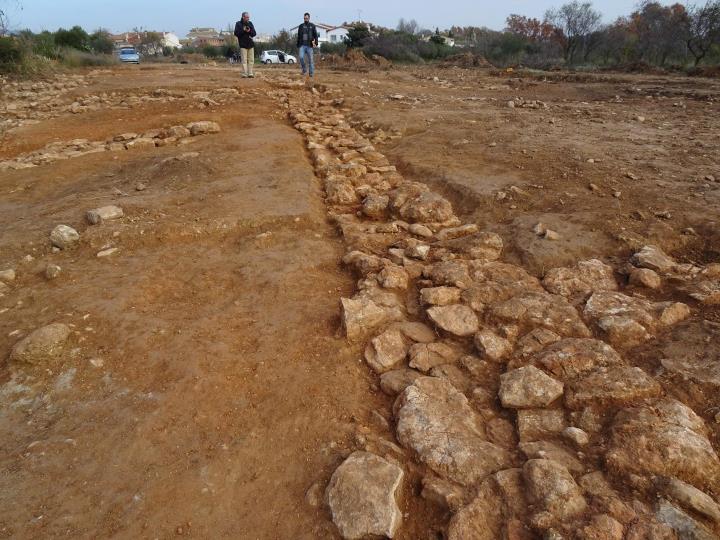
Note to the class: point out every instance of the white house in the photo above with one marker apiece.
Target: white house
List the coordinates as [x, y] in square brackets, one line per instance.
[336, 34]
[328, 33]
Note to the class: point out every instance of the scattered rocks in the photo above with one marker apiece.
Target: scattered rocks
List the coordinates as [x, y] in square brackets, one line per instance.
[42, 345]
[630, 321]
[64, 237]
[542, 310]
[571, 358]
[528, 388]
[362, 494]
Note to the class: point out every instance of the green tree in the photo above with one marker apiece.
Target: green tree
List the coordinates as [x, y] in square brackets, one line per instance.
[358, 35]
[75, 38]
[101, 42]
[704, 29]
[575, 23]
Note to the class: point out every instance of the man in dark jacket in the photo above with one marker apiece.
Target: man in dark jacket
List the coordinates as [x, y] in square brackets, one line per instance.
[307, 38]
[245, 31]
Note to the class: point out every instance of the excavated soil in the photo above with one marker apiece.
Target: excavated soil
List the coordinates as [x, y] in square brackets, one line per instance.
[207, 389]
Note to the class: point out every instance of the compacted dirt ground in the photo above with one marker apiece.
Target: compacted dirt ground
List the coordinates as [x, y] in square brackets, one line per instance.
[207, 388]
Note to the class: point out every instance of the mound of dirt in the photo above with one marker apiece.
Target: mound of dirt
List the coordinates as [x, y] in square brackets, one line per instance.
[467, 60]
[354, 59]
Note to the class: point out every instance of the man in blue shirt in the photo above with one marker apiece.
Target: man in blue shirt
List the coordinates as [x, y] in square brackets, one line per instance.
[307, 38]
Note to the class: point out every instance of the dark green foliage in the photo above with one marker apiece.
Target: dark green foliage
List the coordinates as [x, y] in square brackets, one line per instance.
[75, 38]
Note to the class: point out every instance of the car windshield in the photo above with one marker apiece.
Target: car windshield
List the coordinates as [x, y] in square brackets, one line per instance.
[127, 51]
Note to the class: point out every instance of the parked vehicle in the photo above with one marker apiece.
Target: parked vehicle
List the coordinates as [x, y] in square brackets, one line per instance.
[129, 55]
[277, 57]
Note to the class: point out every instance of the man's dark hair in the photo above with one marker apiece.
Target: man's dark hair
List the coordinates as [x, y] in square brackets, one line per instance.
[306, 14]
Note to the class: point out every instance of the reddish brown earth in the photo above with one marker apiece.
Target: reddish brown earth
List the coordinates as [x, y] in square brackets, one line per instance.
[220, 388]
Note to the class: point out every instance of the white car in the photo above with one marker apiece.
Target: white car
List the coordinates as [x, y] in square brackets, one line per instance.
[277, 57]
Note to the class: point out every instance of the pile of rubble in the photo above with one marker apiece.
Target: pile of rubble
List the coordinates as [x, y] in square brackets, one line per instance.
[517, 396]
[61, 150]
[24, 103]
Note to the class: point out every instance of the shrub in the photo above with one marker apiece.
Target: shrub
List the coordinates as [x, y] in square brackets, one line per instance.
[11, 51]
[211, 52]
[74, 58]
[333, 48]
[75, 38]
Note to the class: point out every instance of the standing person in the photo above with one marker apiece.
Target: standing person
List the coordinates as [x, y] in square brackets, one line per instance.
[245, 32]
[306, 40]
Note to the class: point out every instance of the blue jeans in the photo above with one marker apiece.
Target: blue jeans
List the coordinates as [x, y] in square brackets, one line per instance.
[306, 49]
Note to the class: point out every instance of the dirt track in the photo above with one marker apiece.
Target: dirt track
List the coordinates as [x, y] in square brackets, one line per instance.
[208, 385]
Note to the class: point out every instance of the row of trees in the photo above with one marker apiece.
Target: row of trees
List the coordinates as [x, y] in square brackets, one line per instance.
[654, 34]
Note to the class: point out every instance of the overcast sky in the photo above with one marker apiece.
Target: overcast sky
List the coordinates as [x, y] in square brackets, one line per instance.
[270, 16]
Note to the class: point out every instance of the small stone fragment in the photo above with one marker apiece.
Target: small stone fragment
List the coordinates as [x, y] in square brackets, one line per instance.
[425, 356]
[654, 258]
[385, 351]
[393, 277]
[361, 316]
[362, 496]
[644, 277]
[456, 319]
[202, 128]
[492, 346]
[104, 213]
[107, 252]
[64, 237]
[576, 435]
[42, 345]
[440, 296]
[395, 381]
[527, 388]
[553, 488]
[52, 271]
[539, 424]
